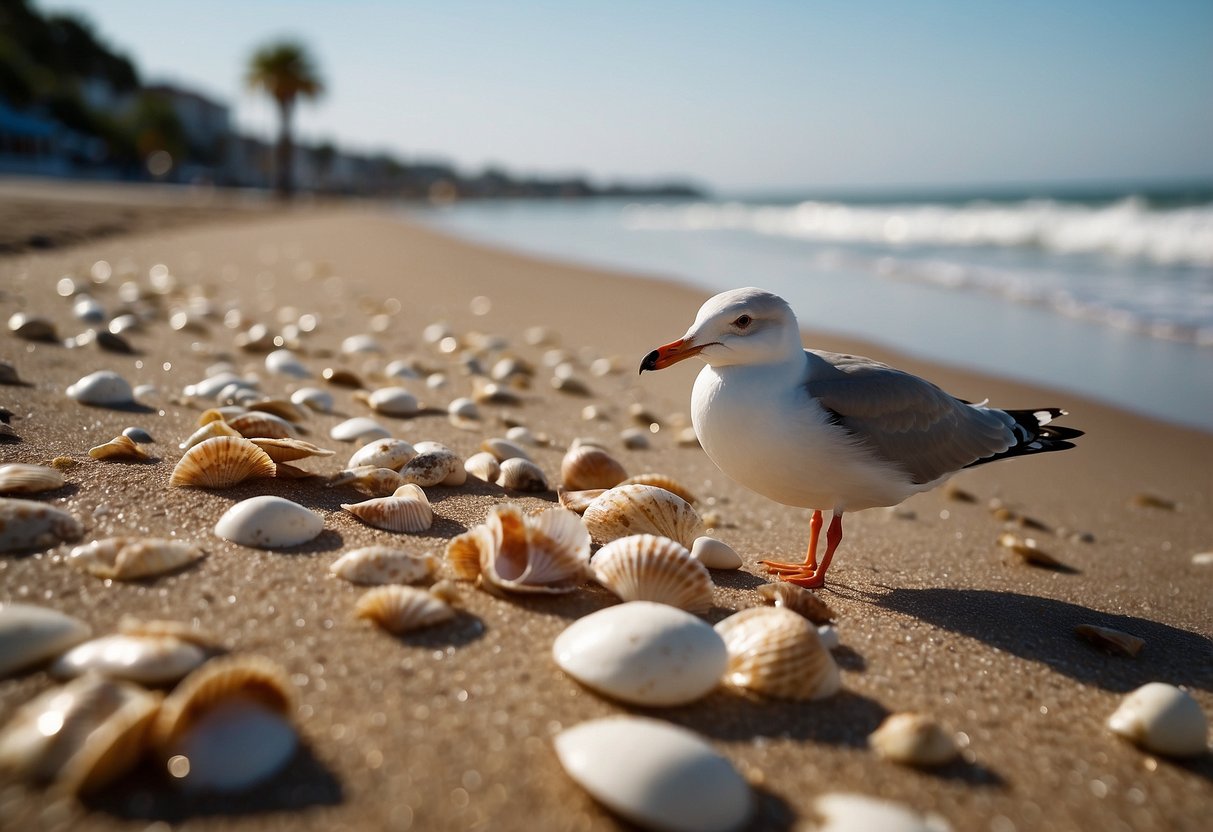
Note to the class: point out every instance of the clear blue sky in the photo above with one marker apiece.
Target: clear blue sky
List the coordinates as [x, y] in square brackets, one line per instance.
[755, 94]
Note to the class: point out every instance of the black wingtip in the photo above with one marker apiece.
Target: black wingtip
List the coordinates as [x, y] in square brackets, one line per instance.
[649, 362]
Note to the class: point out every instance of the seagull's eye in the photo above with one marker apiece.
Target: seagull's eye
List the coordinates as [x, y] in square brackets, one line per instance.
[743, 322]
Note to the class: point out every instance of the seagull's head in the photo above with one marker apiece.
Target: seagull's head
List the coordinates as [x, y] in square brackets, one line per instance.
[741, 326]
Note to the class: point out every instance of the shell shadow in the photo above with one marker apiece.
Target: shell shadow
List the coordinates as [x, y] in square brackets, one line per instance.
[329, 540]
[1042, 630]
[771, 812]
[462, 630]
[737, 579]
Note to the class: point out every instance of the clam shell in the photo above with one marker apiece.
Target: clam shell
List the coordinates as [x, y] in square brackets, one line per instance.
[383, 565]
[286, 363]
[407, 510]
[662, 481]
[1164, 719]
[102, 389]
[715, 554]
[775, 652]
[269, 522]
[216, 427]
[644, 567]
[436, 467]
[544, 553]
[262, 426]
[859, 813]
[314, 398]
[359, 429]
[578, 501]
[145, 660]
[522, 475]
[29, 526]
[642, 509]
[393, 401]
[368, 480]
[463, 410]
[399, 609]
[16, 478]
[221, 462]
[913, 739]
[288, 450]
[129, 558]
[797, 599]
[119, 448]
[483, 466]
[282, 408]
[383, 453]
[503, 449]
[30, 634]
[643, 653]
[657, 775]
[587, 466]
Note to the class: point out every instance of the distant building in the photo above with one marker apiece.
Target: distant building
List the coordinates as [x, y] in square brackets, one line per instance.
[207, 123]
[35, 145]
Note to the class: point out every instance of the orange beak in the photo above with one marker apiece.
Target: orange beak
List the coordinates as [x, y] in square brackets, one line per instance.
[670, 353]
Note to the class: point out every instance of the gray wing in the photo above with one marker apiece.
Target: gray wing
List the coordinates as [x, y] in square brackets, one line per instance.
[903, 419]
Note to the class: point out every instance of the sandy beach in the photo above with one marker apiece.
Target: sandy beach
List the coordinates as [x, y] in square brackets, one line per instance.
[451, 727]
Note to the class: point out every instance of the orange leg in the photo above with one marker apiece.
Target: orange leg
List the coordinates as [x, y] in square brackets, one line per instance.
[810, 558]
[810, 574]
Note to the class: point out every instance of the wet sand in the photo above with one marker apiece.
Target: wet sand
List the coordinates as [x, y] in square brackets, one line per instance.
[451, 728]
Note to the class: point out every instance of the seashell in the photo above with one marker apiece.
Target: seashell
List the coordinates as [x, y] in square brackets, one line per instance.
[120, 448]
[399, 609]
[859, 813]
[282, 408]
[221, 462]
[29, 526]
[522, 436]
[102, 389]
[369, 480]
[144, 660]
[776, 652]
[463, 413]
[289, 450]
[1202, 559]
[687, 438]
[341, 378]
[213, 428]
[503, 449]
[715, 554]
[913, 739]
[578, 501]
[544, 553]
[1029, 552]
[635, 439]
[7, 434]
[1109, 639]
[1164, 719]
[383, 565]
[383, 453]
[828, 634]
[436, 467]
[8, 374]
[407, 510]
[644, 567]
[586, 466]
[656, 775]
[32, 328]
[642, 509]
[269, 522]
[17, 478]
[359, 429]
[643, 653]
[211, 386]
[360, 343]
[132, 626]
[662, 481]
[1146, 500]
[521, 475]
[30, 635]
[797, 599]
[401, 368]
[129, 558]
[286, 363]
[314, 398]
[571, 385]
[227, 726]
[483, 466]
[393, 401]
[111, 342]
[138, 435]
[262, 426]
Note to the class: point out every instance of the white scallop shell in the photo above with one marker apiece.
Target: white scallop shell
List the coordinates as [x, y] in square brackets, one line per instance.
[383, 565]
[314, 398]
[657, 775]
[399, 609]
[145, 660]
[359, 429]
[644, 653]
[775, 652]
[483, 466]
[642, 509]
[103, 389]
[519, 474]
[221, 462]
[715, 554]
[30, 634]
[544, 553]
[1164, 719]
[586, 466]
[645, 567]
[16, 478]
[383, 453]
[859, 813]
[913, 739]
[129, 558]
[26, 525]
[286, 363]
[393, 401]
[406, 510]
[269, 522]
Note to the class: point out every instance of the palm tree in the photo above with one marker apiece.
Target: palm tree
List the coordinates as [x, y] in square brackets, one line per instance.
[286, 72]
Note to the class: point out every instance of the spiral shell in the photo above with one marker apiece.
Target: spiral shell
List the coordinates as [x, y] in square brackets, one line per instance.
[17, 478]
[399, 609]
[588, 466]
[644, 567]
[543, 553]
[128, 558]
[642, 509]
[221, 462]
[407, 510]
[775, 652]
[383, 565]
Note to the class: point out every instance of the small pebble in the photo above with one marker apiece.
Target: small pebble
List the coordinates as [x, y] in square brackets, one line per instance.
[138, 435]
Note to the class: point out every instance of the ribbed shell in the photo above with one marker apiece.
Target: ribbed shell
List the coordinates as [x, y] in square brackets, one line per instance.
[503, 449]
[262, 425]
[662, 481]
[483, 466]
[17, 478]
[645, 567]
[407, 510]
[642, 509]
[542, 553]
[797, 599]
[912, 739]
[587, 466]
[578, 501]
[129, 558]
[399, 609]
[211, 429]
[121, 447]
[288, 450]
[775, 652]
[383, 565]
[222, 462]
[519, 474]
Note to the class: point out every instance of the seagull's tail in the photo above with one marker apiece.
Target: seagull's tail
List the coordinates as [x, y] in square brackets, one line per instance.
[1034, 433]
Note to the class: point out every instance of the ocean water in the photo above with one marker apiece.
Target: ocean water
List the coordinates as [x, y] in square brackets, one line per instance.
[1107, 295]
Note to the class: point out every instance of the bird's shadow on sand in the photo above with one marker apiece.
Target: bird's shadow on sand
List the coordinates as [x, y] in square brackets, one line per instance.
[1042, 630]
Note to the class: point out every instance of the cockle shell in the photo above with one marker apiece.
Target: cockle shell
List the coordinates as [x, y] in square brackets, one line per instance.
[662, 481]
[26, 525]
[289, 450]
[30, 634]
[715, 554]
[103, 389]
[913, 739]
[399, 609]
[383, 565]
[645, 567]
[369, 480]
[644, 653]
[407, 510]
[544, 553]
[483, 466]
[213, 428]
[391, 401]
[221, 462]
[17, 478]
[587, 466]
[145, 660]
[261, 425]
[1164, 719]
[519, 474]
[797, 599]
[269, 522]
[578, 501]
[656, 775]
[119, 448]
[642, 509]
[436, 467]
[775, 652]
[859, 813]
[129, 558]
[383, 453]
[359, 429]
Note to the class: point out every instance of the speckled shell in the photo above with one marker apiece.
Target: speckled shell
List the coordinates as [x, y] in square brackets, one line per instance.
[221, 462]
[407, 510]
[145, 660]
[912, 739]
[289, 450]
[29, 526]
[129, 558]
[30, 634]
[399, 609]
[544, 553]
[213, 428]
[368, 480]
[437, 467]
[383, 453]
[261, 425]
[269, 522]
[587, 466]
[642, 509]
[383, 565]
[775, 652]
[797, 599]
[519, 474]
[662, 481]
[17, 478]
[483, 466]
[119, 448]
[644, 567]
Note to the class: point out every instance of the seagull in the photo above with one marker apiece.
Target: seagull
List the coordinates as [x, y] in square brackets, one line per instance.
[830, 431]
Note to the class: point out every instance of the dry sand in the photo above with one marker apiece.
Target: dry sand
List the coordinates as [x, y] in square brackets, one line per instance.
[451, 728]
